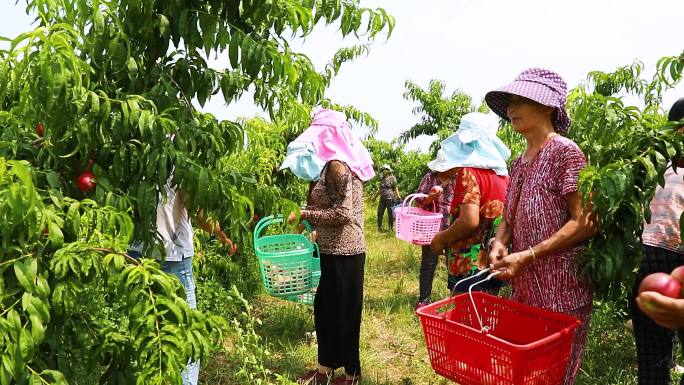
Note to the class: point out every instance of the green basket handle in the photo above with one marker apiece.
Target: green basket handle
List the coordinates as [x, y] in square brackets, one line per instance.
[269, 220]
[318, 252]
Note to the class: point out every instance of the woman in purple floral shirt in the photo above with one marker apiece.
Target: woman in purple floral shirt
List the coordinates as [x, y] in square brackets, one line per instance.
[442, 199]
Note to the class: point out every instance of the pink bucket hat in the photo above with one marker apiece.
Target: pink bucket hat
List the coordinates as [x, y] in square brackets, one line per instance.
[538, 84]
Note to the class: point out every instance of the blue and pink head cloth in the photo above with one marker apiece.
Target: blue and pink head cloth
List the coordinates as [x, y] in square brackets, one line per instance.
[474, 144]
[328, 138]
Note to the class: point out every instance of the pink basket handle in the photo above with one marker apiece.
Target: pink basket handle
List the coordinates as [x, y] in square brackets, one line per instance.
[412, 197]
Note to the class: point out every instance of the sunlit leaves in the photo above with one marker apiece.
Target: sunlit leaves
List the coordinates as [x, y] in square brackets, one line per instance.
[439, 114]
[116, 85]
[628, 150]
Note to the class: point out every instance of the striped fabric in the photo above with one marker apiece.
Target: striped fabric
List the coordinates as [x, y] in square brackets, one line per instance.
[666, 207]
[552, 282]
[443, 204]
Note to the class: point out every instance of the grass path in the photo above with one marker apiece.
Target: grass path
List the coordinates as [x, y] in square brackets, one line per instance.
[392, 345]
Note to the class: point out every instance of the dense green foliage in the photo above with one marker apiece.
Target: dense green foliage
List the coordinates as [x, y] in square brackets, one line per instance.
[114, 84]
[628, 149]
[439, 115]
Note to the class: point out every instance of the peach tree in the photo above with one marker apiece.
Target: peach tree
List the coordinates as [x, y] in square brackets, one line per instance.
[98, 111]
[628, 149]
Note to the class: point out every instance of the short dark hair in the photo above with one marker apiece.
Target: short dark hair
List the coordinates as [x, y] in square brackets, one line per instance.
[676, 111]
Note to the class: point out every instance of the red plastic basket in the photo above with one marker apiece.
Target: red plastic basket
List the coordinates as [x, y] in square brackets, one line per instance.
[519, 344]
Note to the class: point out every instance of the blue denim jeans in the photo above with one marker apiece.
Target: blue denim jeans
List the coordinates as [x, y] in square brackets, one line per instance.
[182, 270]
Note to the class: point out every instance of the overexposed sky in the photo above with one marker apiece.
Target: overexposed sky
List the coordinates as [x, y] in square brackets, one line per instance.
[474, 45]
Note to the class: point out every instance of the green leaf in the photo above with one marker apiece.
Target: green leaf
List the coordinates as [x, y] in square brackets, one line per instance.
[73, 217]
[37, 328]
[55, 235]
[26, 271]
[233, 49]
[99, 22]
[53, 179]
[246, 51]
[132, 67]
[651, 172]
[26, 346]
[208, 25]
[164, 26]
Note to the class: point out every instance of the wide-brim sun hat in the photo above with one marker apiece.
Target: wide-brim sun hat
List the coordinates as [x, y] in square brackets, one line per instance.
[386, 167]
[441, 163]
[475, 145]
[538, 84]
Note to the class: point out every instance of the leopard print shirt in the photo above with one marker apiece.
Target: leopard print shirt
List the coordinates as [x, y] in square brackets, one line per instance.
[335, 210]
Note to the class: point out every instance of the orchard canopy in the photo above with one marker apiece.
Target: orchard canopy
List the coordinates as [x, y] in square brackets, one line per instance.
[99, 110]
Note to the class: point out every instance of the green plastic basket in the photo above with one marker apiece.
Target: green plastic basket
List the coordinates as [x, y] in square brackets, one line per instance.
[308, 298]
[286, 261]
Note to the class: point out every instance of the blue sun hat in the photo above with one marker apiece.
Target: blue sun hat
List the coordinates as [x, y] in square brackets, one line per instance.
[474, 144]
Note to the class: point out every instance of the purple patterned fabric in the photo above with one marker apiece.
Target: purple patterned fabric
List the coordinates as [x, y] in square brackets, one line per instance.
[443, 205]
[542, 86]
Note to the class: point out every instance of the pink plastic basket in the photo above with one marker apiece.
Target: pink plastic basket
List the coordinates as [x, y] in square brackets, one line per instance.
[414, 224]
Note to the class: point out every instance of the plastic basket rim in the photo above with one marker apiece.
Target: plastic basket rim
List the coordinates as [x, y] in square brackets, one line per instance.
[572, 324]
[258, 250]
[427, 215]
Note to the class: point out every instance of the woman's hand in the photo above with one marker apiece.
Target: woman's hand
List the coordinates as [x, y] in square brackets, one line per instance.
[497, 252]
[223, 238]
[665, 311]
[435, 192]
[512, 264]
[291, 218]
[439, 243]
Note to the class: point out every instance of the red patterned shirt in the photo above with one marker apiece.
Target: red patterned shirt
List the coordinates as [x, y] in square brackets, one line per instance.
[553, 281]
[486, 190]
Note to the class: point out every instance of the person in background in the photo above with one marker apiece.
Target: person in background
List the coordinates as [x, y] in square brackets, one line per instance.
[478, 158]
[656, 318]
[336, 163]
[389, 194]
[545, 225]
[175, 229]
[438, 184]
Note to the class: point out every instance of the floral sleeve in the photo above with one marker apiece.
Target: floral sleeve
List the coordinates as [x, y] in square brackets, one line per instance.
[466, 190]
